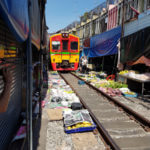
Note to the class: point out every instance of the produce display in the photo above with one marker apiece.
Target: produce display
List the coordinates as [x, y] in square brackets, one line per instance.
[111, 91]
[126, 92]
[77, 119]
[136, 75]
[123, 72]
[126, 72]
[129, 93]
[144, 76]
[110, 84]
[111, 87]
[79, 125]
[116, 85]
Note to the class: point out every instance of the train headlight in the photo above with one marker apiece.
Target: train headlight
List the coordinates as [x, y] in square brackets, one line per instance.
[65, 35]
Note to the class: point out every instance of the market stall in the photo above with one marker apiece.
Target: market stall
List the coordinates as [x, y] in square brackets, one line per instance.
[143, 78]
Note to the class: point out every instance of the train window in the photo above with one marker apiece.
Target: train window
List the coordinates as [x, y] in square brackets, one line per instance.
[55, 45]
[65, 45]
[74, 45]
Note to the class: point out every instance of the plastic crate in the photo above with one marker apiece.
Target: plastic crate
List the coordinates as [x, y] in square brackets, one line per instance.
[82, 129]
[128, 95]
[80, 82]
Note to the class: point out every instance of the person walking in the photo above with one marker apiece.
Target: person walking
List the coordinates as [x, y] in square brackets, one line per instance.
[80, 64]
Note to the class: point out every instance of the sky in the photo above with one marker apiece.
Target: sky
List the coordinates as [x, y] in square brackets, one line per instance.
[60, 13]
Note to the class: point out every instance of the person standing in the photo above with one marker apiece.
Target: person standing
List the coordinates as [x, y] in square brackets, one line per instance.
[80, 64]
[84, 64]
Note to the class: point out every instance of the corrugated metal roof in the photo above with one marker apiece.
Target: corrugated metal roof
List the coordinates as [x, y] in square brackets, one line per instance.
[142, 22]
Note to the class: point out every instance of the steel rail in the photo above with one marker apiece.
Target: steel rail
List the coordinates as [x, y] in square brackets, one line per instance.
[100, 127]
[142, 120]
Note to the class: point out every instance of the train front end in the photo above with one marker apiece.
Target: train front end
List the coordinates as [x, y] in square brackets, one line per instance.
[64, 52]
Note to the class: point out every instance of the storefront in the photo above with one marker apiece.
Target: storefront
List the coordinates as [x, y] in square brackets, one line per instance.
[14, 33]
[135, 53]
[103, 49]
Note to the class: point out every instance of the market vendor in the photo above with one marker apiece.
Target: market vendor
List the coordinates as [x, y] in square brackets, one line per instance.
[80, 64]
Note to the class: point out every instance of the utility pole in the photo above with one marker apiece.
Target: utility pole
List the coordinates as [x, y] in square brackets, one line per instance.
[123, 15]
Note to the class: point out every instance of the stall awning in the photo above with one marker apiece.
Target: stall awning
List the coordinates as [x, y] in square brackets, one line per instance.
[105, 43]
[15, 14]
[135, 45]
[141, 60]
[35, 23]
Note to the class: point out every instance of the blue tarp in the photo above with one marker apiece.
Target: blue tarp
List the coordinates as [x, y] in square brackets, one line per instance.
[15, 14]
[86, 51]
[105, 43]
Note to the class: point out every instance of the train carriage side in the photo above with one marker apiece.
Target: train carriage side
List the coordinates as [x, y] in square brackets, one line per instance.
[64, 52]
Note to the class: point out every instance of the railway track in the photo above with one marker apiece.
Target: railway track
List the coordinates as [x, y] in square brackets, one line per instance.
[121, 127]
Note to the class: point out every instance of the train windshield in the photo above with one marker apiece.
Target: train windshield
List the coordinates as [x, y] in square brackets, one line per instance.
[65, 45]
[74, 45]
[55, 45]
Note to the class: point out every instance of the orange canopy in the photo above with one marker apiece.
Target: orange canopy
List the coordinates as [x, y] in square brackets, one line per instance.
[141, 60]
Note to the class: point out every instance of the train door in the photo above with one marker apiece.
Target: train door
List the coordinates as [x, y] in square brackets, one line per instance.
[65, 53]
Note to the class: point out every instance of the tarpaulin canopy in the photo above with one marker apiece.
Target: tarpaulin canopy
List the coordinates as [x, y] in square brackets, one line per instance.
[135, 45]
[15, 14]
[86, 42]
[141, 60]
[105, 43]
[86, 52]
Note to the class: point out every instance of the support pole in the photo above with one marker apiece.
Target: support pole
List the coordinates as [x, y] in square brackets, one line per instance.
[123, 15]
[29, 85]
[115, 63]
[41, 55]
[103, 63]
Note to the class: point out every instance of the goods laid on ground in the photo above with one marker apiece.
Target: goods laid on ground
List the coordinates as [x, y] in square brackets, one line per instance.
[110, 84]
[60, 94]
[76, 106]
[110, 87]
[60, 97]
[126, 92]
[101, 74]
[77, 121]
[111, 91]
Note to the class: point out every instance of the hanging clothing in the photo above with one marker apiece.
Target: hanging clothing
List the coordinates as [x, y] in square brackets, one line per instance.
[119, 64]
